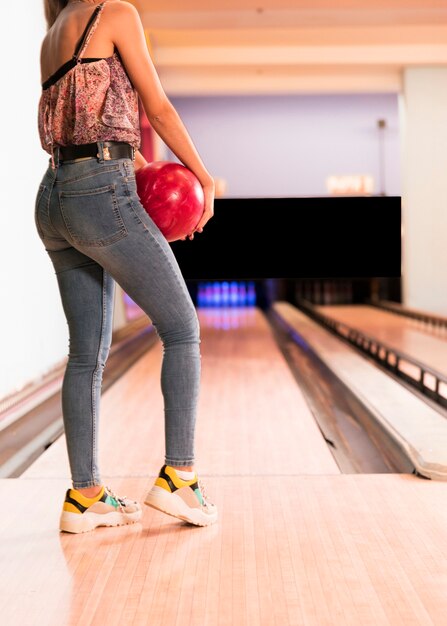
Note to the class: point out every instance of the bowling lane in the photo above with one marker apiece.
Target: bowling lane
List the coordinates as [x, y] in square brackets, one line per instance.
[398, 415]
[395, 331]
[252, 417]
[299, 549]
[431, 323]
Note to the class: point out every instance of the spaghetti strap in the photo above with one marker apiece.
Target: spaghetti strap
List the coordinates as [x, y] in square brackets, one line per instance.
[88, 32]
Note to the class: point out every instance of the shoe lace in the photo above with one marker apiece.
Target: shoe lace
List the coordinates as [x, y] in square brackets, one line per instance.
[203, 492]
[120, 501]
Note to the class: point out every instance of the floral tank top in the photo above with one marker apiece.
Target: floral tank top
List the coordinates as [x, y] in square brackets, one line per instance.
[88, 100]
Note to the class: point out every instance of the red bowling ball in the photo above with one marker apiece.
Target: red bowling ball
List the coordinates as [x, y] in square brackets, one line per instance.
[172, 196]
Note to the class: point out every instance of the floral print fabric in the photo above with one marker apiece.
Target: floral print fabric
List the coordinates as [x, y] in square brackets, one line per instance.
[93, 101]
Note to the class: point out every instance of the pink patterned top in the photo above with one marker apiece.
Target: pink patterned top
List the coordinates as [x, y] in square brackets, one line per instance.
[88, 100]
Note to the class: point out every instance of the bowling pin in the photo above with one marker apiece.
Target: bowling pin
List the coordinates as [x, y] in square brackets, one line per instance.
[233, 293]
[209, 294]
[200, 295]
[225, 293]
[251, 294]
[216, 294]
[242, 294]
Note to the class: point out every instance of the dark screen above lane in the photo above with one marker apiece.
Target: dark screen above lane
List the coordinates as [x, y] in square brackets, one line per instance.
[252, 238]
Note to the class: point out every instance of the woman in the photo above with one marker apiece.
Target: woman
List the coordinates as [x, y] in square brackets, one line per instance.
[94, 62]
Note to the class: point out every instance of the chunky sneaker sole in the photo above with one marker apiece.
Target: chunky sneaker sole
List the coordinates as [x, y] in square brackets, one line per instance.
[184, 499]
[79, 514]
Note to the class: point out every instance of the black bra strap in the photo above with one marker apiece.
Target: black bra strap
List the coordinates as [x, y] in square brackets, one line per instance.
[86, 30]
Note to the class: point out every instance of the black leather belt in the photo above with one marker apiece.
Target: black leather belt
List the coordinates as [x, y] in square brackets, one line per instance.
[111, 150]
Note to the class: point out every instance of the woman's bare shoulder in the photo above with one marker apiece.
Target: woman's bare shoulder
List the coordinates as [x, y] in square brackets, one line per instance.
[119, 7]
[120, 17]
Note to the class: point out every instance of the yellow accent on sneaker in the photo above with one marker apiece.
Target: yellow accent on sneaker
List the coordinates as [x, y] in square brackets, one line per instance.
[161, 482]
[190, 505]
[79, 497]
[71, 508]
[84, 500]
[179, 482]
[98, 513]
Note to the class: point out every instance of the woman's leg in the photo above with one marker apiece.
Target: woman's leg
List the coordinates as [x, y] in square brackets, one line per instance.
[96, 224]
[87, 292]
[145, 267]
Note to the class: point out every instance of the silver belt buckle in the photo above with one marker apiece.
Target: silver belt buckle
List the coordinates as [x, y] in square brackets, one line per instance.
[106, 153]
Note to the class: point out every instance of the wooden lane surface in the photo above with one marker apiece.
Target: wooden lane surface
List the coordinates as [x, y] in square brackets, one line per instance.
[406, 335]
[252, 417]
[416, 426]
[428, 326]
[333, 550]
[295, 545]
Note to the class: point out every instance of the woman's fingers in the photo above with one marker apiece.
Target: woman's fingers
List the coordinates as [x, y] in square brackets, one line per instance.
[207, 215]
[204, 219]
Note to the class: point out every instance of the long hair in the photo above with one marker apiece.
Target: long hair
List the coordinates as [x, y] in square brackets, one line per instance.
[52, 10]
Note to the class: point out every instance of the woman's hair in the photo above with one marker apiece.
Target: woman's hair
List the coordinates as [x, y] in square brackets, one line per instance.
[52, 10]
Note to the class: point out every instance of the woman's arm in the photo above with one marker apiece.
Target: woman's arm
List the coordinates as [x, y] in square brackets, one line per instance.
[127, 33]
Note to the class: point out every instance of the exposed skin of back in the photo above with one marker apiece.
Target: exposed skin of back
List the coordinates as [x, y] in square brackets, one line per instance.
[120, 25]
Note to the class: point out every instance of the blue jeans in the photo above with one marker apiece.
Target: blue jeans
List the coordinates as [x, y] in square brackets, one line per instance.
[96, 231]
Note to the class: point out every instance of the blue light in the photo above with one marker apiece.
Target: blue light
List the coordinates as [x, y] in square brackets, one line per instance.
[217, 297]
[226, 294]
[251, 296]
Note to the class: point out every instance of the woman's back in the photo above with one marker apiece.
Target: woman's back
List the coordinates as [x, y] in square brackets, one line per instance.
[85, 98]
[61, 39]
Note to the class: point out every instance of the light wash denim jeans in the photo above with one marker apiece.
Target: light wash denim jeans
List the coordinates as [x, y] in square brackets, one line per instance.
[96, 231]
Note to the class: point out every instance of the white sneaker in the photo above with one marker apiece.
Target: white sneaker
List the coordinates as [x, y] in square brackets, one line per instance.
[80, 514]
[185, 499]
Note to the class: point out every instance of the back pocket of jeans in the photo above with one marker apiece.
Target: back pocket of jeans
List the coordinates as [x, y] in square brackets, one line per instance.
[92, 216]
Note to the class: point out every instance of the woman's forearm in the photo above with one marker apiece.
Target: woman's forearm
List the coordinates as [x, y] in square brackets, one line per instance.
[170, 128]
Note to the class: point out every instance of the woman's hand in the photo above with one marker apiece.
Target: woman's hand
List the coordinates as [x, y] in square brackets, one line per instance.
[208, 192]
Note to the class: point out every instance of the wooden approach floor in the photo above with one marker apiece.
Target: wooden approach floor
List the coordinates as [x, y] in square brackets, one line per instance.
[297, 542]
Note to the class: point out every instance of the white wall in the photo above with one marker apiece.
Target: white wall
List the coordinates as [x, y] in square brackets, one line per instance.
[424, 159]
[33, 330]
[288, 145]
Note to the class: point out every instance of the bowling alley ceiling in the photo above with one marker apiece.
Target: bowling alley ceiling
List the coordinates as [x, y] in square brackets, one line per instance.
[209, 47]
